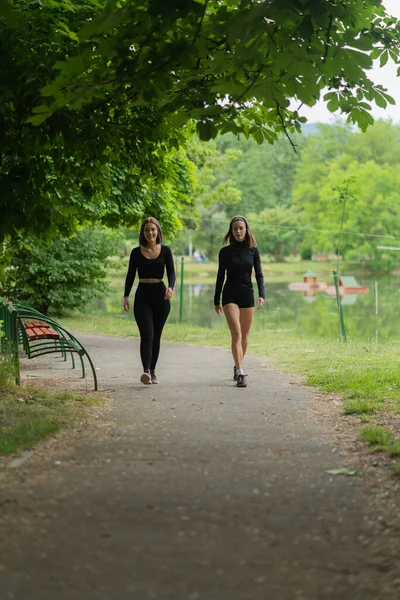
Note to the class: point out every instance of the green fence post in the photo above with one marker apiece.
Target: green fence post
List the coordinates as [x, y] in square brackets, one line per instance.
[181, 290]
[339, 303]
[10, 338]
[15, 346]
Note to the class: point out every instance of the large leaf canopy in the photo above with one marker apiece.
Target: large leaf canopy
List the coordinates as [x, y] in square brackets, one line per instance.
[106, 163]
[94, 94]
[230, 65]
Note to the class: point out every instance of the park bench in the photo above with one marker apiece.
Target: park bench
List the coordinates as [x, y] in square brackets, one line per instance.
[38, 334]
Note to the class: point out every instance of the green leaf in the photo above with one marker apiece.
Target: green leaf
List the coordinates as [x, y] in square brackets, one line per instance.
[7, 13]
[380, 100]
[333, 104]
[257, 134]
[342, 471]
[103, 23]
[376, 52]
[384, 58]
[42, 109]
[206, 130]
[37, 119]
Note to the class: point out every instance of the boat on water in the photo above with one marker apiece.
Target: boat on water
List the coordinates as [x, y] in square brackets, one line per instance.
[310, 282]
[347, 285]
[301, 286]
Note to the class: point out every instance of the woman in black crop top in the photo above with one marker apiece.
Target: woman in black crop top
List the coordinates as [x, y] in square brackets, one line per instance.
[236, 263]
[152, 298]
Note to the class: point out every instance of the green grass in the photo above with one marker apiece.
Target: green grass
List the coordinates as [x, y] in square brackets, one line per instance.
[26, 435]
[381, 439]
[394, 449]
[367, 375]
[28, 415]
[395, 470]
[377, 436]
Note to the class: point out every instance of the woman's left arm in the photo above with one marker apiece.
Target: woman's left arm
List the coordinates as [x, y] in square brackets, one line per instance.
[259, 278]
[170, 267]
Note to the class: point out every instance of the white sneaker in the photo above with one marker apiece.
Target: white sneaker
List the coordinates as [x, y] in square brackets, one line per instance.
[145, 378]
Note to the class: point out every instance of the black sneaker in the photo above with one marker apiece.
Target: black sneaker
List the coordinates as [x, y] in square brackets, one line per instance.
[241, 381]
[153, 377]
[235, 375]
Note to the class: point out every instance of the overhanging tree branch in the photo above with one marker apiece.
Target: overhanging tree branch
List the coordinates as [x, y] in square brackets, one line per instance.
[285, 128]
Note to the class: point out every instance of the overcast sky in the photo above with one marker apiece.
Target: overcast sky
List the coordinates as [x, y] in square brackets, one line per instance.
[387, 76]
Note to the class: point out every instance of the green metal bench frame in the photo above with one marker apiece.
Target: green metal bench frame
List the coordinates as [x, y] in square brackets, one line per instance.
[15, 315]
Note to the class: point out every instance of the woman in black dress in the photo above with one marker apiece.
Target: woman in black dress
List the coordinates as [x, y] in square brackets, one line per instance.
[236, 261]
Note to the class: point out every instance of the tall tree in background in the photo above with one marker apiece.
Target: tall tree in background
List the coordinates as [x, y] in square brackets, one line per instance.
[276, 231]
[263, 174]
[371, 159]
[213, 192]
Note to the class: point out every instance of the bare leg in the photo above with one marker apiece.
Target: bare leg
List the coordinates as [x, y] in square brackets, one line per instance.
[246, 320]
[232, 315]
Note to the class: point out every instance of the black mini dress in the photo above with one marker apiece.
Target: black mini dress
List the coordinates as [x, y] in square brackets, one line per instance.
[236, 262]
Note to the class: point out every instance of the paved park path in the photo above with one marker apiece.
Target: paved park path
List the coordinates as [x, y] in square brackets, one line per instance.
[192, 490]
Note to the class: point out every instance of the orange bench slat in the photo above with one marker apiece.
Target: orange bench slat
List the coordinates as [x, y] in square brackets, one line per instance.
[52, 334]
[39, 332]
[31, 334]
[33, 324]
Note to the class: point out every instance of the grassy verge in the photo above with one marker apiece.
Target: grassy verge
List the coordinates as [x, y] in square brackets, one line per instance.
[28, 415]
[365, 374]
[381, 439]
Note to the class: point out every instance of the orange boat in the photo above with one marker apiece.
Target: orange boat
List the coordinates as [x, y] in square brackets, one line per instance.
[347, 285]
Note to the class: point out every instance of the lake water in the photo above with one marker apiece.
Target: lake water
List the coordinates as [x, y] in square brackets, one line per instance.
[294, 312]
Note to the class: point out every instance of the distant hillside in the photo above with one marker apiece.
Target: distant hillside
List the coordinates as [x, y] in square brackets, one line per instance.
[310, 128]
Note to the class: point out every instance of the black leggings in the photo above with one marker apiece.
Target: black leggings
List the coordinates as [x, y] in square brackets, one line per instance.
[151, 312]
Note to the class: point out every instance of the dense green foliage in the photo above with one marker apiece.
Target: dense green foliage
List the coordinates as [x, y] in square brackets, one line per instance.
[130, 74]
[109, 163]
[66, 274]
[215, 190]
[251, 180]
[98, 99]
[373, 220]
[276, 232]
[289, 198]
[231, 66]
[263, 174]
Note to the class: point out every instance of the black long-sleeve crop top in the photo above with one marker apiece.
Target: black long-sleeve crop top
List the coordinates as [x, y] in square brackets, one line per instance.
[150, 268]
[238, 260]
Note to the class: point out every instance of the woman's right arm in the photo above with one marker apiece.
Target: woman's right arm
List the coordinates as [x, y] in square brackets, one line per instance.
[219, 282]
[130, 278]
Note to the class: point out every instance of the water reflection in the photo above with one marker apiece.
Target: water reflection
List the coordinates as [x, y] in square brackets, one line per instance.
[299, 312]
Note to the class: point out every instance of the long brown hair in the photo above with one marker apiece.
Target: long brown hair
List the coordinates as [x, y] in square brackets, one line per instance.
[142, 239]
[249, 239]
